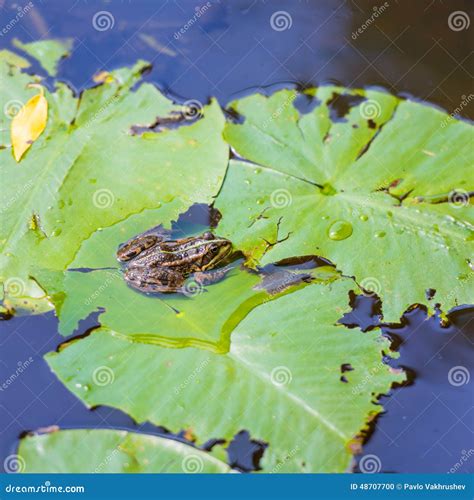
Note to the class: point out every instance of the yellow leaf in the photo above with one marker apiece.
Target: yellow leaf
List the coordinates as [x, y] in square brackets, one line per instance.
[29, 124]
[103, 77]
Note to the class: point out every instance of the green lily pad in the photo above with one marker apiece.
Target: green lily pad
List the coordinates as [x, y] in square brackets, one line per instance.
[280, 380]
[88, 171]
[382, 192]
[174, 321]
[94, 283]
[107, 451]
[13, 59]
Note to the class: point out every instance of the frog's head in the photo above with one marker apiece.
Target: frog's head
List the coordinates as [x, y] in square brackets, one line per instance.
[216, 250]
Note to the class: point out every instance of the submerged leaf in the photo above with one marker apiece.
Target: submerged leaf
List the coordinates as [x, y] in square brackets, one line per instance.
[28, 124]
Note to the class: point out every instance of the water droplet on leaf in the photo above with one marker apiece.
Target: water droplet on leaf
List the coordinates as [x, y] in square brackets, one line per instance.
[340, 230]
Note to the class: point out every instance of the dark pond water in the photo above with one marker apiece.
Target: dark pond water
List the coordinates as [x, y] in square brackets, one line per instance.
[409, 50]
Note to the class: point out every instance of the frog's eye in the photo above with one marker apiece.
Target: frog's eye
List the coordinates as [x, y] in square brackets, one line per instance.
[208, 235]
[214, 249]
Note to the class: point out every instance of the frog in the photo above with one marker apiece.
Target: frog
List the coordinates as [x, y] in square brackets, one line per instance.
[153, 263]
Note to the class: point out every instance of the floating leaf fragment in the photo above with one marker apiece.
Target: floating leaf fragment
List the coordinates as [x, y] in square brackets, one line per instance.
[47, 52]
[103, 77]
[13, 59]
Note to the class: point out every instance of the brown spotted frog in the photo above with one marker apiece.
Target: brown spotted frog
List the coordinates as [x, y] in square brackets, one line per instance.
[154, 264]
